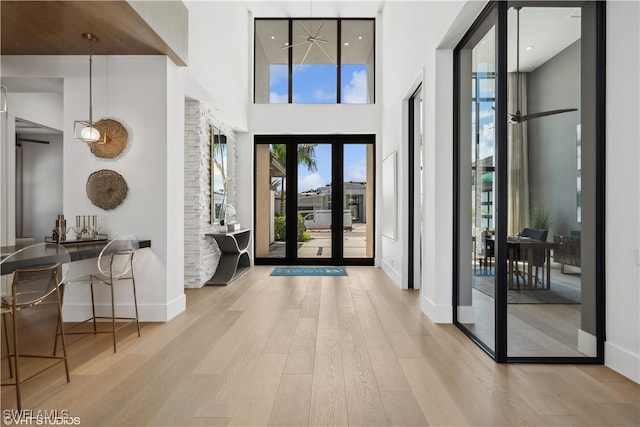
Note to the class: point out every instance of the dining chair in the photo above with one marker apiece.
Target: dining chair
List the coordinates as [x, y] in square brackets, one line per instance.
[538, 256]
[35, 282]
[115, 265]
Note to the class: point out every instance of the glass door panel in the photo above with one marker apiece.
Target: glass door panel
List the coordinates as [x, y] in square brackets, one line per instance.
[550, 302]
[271, 188]
[357, 222]
[476, 284]
[314, 201]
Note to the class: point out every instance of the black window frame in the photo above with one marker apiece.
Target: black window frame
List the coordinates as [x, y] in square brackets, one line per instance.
[338, 59]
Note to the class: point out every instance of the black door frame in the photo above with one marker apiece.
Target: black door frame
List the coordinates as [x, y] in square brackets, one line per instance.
[337, 143]
[497, 11]
[411, 156]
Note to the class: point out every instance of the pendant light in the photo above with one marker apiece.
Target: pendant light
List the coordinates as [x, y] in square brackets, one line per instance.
[86, 130]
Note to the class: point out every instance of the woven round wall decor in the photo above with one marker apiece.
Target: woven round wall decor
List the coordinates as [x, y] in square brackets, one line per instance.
[106, 189]
[116, 135]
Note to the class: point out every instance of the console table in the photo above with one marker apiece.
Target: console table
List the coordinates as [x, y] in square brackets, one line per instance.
[234, 259]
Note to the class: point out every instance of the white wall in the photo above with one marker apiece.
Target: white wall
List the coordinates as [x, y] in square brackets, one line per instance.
[136, 91]
[219, 58]
[42, 108]
[407, 55]
[622, 348]
[174, 180]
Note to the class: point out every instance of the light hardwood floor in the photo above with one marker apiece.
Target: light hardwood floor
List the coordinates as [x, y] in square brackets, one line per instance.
[319, 351]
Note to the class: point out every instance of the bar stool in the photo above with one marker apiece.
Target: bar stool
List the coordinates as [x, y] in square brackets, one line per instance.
[30, 278]
[115, 264]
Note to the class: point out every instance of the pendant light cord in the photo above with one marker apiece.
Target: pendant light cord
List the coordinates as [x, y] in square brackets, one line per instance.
[90, 81]
[518, 59]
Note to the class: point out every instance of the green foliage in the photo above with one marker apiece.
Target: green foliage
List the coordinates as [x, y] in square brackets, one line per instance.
[540, 218]
[301, 228]
[306, 155]
[280, 228]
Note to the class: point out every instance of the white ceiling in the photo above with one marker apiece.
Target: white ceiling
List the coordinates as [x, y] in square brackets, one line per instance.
[356, 39]
[315, 9]
[548, 31]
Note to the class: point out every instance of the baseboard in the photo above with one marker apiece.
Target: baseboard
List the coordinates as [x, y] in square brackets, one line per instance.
[622, 361]
[175, 307]
[147, 313]
[392, 273]
[466, 314]
[437, 313]
[587, 343]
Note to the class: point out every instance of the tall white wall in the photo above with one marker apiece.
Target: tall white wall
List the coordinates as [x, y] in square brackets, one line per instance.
[622, 348]
[135, 90]
[408, 57]
[219, 58]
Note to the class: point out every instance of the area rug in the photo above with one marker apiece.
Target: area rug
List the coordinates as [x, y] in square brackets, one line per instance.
[558, 294]
[309, 271]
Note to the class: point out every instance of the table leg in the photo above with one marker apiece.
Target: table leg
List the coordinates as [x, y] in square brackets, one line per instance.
[548, 268]
[529, 267]
[511, 255]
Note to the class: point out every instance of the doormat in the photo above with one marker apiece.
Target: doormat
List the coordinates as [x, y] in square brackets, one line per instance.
[309, 271]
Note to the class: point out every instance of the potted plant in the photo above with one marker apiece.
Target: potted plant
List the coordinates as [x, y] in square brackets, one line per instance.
[540, 218]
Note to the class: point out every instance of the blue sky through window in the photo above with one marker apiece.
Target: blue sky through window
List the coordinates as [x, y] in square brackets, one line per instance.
[486, 91]
[355, 167]
[316, 84]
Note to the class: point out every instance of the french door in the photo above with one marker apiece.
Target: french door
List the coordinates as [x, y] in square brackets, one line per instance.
[301, 215]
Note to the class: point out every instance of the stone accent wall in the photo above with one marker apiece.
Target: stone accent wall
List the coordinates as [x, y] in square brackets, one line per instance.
[201, 253]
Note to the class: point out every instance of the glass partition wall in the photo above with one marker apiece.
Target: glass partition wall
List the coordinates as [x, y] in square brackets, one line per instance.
[476, 276]
[529, 271]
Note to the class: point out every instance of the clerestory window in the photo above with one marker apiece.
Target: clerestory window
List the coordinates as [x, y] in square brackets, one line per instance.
[314, 61]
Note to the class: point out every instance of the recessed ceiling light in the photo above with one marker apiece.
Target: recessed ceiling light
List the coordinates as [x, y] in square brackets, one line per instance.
[529, 47]
[273, 37]
[359, 37]
[286, 44]
[346, 43]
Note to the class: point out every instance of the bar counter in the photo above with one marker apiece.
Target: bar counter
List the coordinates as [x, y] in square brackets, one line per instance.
[78, 250]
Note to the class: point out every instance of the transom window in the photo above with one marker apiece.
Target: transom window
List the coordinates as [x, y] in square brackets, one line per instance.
[314, 61]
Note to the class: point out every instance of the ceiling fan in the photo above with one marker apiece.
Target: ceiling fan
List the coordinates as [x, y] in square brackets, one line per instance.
[518, 117]
[313, 40]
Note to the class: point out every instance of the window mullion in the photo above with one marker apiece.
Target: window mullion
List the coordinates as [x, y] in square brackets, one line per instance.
[290, 59]
[339, 62]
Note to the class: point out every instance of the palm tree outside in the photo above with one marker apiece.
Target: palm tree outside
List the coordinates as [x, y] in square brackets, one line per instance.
[306, 157]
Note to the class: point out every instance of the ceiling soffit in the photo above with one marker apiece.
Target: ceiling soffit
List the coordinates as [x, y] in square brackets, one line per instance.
[56, 28]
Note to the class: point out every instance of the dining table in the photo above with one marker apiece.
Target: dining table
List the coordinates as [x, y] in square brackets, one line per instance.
[526, 249]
